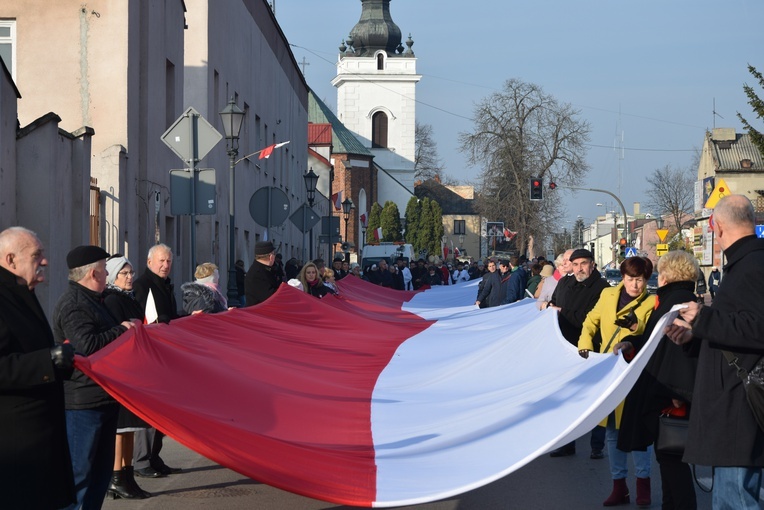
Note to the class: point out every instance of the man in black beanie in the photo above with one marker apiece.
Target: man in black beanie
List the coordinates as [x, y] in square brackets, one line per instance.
[261, 281]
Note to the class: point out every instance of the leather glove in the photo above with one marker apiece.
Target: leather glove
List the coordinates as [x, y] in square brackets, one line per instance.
[627, 321]
[584, 353]
[62, 356]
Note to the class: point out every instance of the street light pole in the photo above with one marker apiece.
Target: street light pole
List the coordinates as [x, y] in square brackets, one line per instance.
[347, 206]
[232, 117]
[311, 179]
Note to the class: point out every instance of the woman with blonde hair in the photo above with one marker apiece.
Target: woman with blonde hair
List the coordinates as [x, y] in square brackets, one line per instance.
[329, 279]
[665, 385]
[311, 281]
[203, 295]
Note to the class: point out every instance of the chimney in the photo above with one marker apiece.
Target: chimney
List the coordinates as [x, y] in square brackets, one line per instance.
[746, 163]
[636, 208]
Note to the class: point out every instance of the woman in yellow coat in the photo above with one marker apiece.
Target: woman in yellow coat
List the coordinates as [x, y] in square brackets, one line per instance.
[622, 311]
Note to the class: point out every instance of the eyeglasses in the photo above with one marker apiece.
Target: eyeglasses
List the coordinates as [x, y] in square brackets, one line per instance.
[125, 274]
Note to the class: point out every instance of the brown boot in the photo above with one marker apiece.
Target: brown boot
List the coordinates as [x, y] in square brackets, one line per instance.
[644, 498]
[620, 494]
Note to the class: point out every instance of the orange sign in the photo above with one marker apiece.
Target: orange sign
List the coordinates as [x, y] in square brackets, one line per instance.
[662, 233]
[721, 190]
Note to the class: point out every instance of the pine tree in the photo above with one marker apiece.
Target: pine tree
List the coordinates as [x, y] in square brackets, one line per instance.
[390, 221]
[413, 212]
[374, 224]
[757, 137]
[436, 212]
[426, 229]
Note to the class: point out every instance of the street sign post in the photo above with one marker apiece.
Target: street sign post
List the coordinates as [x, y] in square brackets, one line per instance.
[760, 231]
[662, 232]
[661, 249]
[269, 206]
[180, 192]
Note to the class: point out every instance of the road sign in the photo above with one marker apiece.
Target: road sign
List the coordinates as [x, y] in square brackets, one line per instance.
[760, 231]
[180, 192]
[721, 190]
[269, 206]
[662, 233]
[630, 251]
[180, 136]
[661, 249]
[304, 218]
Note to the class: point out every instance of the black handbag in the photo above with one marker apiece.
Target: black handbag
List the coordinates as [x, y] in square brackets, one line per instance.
[753, 382]
[672, 434]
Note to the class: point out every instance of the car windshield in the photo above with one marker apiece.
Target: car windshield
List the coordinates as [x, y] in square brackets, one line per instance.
[653, 280]
[612, 273]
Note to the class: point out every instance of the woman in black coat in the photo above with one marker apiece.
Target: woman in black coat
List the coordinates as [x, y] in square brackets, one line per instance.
[311, 282]
[122, 305]
[666, 383]
[204, 294]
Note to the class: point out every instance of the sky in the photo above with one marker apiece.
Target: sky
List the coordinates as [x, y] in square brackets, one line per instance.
[647, 76]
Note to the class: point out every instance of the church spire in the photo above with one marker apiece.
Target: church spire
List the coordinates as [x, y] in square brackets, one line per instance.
[376, 30]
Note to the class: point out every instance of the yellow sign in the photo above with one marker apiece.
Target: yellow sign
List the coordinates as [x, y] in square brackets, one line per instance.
[721, 190]
[661, 249]
[662, 233]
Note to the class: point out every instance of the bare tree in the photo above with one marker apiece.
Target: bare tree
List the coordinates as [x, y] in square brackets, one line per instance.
[521, 133]
[427, 163]
[671, 192]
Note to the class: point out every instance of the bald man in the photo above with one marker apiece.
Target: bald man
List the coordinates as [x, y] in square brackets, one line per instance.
[723, 431]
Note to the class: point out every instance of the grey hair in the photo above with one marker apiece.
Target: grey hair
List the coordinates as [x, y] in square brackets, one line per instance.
[157, 247]
[10, 236]
[78, 273]
[558, 260]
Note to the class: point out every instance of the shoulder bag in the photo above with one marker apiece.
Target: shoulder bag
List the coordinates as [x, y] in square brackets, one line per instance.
[753, 382]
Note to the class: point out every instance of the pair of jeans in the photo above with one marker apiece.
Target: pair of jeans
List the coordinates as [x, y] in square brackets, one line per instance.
[91, 434]
[618, 465]
[736, 488]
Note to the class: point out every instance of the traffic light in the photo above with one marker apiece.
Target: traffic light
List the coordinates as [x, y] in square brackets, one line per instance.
[552, 185]
[537, 189]
[622, 248]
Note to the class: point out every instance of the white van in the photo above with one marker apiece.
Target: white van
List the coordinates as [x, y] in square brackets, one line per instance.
[373, 253]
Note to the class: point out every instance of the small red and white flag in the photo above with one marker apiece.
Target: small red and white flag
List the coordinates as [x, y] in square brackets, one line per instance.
[337, 200]
[150, 315]
[266, 153]
[363, 220]
[378, 234]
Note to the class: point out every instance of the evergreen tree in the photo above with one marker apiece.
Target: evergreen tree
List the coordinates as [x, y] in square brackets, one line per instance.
[436, 212]
[390, 221]
[757, 137]
[373, 224]
[426, 228]
[413, 212]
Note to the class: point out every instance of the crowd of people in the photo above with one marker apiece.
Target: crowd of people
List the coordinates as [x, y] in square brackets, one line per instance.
[78, 444]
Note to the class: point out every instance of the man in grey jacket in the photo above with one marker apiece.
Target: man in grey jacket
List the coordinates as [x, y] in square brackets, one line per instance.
[723, 432]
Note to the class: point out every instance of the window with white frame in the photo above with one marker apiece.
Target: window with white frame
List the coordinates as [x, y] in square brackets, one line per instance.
[8, 44]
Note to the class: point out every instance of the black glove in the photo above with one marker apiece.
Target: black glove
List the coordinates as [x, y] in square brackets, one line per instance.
[62, 356]
[627, 321]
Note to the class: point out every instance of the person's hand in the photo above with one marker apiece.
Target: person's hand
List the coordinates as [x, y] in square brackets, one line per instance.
[128, 324]
[584, 353]
[62, 356]
[679, 332]
[624, 348]
[196, 312]
[628, 321]
[477, 303]
[676, 403]
[690, 313]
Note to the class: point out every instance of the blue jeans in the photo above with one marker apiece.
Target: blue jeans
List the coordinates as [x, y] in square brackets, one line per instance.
[736, 488]
[618, 465]
[91, 434]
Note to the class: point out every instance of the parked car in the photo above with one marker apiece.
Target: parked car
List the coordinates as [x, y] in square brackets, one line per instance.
[652, 284]
[612, 276]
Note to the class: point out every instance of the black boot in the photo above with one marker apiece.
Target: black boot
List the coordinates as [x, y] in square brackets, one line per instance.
[119, 487]
[130, 479]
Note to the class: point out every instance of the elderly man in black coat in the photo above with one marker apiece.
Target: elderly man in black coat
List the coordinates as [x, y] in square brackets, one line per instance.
[35, 467]
[723, 431]
[81, 318]
[261, 281]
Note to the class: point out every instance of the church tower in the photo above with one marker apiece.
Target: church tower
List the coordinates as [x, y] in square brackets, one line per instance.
[376, 91]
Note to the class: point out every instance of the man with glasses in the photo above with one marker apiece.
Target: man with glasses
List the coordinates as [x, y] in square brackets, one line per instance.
[723, 432]
[261, 282]
[91, 414]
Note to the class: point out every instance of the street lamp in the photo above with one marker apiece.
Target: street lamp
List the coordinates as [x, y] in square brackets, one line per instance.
[311, 179]
[232, 117]
[347, 206]
[659, 223]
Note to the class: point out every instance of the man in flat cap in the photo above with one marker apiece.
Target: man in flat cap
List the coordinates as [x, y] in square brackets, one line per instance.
[91, 414]
[574, 298]
[35, 467]
[261, 282]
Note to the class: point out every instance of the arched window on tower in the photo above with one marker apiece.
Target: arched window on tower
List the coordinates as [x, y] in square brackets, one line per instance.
[379, 130]
[380, 62]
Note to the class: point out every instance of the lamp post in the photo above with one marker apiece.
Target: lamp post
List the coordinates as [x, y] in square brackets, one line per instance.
[311, 179]
[347, 206]
[232, 117]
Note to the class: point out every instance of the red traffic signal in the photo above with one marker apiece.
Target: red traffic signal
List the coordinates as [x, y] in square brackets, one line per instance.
[552, 185]
[537, 188]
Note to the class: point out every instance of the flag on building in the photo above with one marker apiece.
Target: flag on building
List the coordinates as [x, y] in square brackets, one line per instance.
[378, 234]
[409, 388]
[337, 200]
[266, 153]
[363, 220]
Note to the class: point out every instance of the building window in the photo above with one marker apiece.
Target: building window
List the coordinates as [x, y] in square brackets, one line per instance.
[379, 130]
[8, 45]
[460, 227]
[380, 62]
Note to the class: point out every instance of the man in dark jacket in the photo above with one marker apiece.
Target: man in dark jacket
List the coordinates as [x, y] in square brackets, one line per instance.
[91, 414]
[723, 431]
[573, 298]
[261, 282]
[35, 466]
[517, 281]
[489, 290]
[155, 278]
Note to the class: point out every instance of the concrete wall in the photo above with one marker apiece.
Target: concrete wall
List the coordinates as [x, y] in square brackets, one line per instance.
[8, 99]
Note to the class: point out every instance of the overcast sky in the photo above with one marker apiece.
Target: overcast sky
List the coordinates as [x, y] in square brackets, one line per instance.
[646, 70]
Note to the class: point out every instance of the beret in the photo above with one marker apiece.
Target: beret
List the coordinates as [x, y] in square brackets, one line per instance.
[581, 253]
[84, 255]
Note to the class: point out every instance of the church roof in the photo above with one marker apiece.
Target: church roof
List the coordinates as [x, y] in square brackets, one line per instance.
[343, 140]
[375, 31]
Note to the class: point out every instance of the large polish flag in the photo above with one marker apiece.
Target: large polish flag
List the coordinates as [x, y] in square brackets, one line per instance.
[373, 398]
